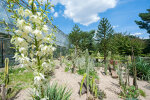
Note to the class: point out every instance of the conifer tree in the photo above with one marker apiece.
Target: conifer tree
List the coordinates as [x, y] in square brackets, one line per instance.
[104, 32]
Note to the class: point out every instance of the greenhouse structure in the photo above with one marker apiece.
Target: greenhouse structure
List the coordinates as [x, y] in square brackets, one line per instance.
[6, 50]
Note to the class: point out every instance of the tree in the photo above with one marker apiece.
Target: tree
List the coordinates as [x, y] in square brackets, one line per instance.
[145, 23]
[122, 44]
[104, 33]
[74, 36]
[147, 48]
[86, 41]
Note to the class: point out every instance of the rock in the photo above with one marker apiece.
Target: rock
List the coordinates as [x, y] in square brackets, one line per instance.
[114, 74]
[97, 81]
[57, 67]
[103, 73]
[90, 97]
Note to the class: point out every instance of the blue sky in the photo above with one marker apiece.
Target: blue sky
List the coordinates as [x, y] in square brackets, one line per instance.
[87, 14]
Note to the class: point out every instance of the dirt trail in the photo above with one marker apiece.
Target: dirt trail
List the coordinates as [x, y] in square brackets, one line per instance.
[71, 81]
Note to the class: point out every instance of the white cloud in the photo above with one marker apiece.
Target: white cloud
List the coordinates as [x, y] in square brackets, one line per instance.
[115, 26]
[85, 11]
[52, 10]
[137, 34]
[55, 14]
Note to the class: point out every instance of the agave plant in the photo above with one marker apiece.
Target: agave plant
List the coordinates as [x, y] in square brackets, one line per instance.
[53, 92]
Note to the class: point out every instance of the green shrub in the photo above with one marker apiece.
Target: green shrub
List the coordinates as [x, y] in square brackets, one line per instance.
[53, 92]
[143, 69]
[92, 73]
[131, 93]
[67, 69]
[81, 71]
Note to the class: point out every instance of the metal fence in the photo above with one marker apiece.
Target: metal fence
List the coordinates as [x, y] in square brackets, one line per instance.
[7, 51]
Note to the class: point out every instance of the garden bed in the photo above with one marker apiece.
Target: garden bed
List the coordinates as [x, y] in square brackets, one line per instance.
[106, 83]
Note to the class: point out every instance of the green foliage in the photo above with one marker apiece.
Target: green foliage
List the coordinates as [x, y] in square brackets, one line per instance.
[104, 33]
[19, 78]
[74, 36]
[130, 92]
[92, 73]
[81, 71]
[142, 93]
[68, 64]
[146, 50]
[105, 68]
[122, 44]
[143, 69]
[82, 39]
[54, 92]
[81, 86]
[145, 23]
[67, 69]
[87, 41]
[93, 87]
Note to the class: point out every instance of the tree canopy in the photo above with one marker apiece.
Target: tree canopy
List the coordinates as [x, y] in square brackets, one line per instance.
[145, 23]
[104, 33]
[74, 36]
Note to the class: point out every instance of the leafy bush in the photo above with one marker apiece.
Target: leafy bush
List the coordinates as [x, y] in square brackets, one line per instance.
[92, 73]
[67, 69]
[143, 69]
[131, 93]
[53, 92]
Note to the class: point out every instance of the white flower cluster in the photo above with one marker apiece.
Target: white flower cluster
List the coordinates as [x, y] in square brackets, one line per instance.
[33, 44]
[38, 78]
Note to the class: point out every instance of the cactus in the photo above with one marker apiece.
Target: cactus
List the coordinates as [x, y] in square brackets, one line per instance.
[134, 70]
[6, 80]
[105, 68]
[87, 69]
[6, 74]
[121, 82]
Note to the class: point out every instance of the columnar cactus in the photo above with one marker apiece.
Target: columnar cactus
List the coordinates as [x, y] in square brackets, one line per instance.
[6, 74]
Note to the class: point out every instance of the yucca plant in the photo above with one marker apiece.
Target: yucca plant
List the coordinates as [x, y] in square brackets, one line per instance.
[53, 92]
[142, 68]
[82, 82]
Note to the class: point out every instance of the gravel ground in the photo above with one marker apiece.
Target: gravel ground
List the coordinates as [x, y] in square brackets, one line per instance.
[106, 83]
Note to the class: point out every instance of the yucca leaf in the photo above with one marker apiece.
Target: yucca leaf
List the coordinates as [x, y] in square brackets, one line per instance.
[81, 86]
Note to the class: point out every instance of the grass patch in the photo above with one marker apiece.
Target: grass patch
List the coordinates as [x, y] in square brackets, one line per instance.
[19, 78]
